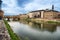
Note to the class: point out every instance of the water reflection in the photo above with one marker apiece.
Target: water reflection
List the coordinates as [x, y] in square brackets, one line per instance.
[36, 31]
[41, 26]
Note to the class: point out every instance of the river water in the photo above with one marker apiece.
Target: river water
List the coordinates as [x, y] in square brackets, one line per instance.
[35, 31]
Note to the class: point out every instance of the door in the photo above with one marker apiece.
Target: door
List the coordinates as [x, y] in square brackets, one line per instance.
[0, 17]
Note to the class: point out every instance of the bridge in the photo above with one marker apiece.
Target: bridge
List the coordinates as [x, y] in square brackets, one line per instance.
[14, 18]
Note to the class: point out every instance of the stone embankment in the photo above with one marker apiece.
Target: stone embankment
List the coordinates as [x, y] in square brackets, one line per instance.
[38, 20]
[4, 35]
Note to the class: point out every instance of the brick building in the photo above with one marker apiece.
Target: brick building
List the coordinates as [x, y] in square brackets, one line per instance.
[1, 14]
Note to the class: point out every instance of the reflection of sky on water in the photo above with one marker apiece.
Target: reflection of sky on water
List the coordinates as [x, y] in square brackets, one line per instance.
[25, 30]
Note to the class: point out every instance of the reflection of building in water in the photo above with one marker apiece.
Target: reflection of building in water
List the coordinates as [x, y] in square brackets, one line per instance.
[44, 27]
[23, 21]
[35, 25]
[30, 23]
[49, 27]
[41, 26]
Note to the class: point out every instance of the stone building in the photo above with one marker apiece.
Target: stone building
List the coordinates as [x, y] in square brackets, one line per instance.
[58, 15]
[23, 16]
[34, 14]
[43, 14]
[49, 14]
[1, 14]
[46, 14]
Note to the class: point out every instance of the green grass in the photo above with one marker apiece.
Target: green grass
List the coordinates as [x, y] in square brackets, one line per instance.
[50, 21]
[12, 34]
[53, 22]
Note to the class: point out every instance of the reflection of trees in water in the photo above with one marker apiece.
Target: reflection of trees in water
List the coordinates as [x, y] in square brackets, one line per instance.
[42, 27]
[23, 21]
[50, 27]
[36, 25]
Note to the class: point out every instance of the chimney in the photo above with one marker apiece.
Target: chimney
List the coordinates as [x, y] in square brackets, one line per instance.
[52, 7]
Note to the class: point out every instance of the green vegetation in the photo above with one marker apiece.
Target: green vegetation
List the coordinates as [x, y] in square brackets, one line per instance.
[12, 34]
[50, 21]
[53, 22]
[26, 19]
[41, 21]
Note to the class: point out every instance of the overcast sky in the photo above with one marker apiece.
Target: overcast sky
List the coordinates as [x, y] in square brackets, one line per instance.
[15, 7]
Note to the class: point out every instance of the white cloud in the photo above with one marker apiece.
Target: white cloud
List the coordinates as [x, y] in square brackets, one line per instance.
[11, 7]
[36, 5]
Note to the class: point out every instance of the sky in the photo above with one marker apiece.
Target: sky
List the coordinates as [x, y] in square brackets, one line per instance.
[16, 7]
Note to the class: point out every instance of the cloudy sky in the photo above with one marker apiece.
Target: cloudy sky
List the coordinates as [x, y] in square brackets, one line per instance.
[15, 7]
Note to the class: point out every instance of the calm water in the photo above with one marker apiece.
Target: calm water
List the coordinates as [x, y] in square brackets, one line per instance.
[34, 31]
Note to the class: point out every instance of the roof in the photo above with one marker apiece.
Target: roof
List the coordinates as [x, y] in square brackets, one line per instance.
[44, 10]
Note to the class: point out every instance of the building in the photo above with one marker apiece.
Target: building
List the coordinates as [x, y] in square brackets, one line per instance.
[34, 14]
[58, 15]
[46, 14]
[23, 16]
[49, 14]
[1, 14]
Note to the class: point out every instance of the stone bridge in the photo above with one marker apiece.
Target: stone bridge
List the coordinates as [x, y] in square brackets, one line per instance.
[14, 18]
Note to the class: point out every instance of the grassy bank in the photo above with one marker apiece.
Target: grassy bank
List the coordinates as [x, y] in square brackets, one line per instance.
[12, 34]
[42, 21]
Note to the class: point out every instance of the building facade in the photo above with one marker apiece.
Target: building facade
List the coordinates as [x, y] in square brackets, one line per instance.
[34, 14]
[1, 14]
[50, 14]
[46, 14]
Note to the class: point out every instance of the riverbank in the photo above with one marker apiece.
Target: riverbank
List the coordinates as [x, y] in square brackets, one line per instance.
[38, 20]
[51, 21]
[12, 34]
[4, 35]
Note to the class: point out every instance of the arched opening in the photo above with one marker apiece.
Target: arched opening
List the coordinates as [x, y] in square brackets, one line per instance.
[0, 18]
[38, 16]
[35, 16]
[59, 16]
[18, 18]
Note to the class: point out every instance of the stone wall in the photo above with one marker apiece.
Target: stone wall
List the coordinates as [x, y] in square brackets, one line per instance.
[50, 15]
[23, 16]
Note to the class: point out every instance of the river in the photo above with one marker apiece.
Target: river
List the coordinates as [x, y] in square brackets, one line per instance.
[35, 31]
